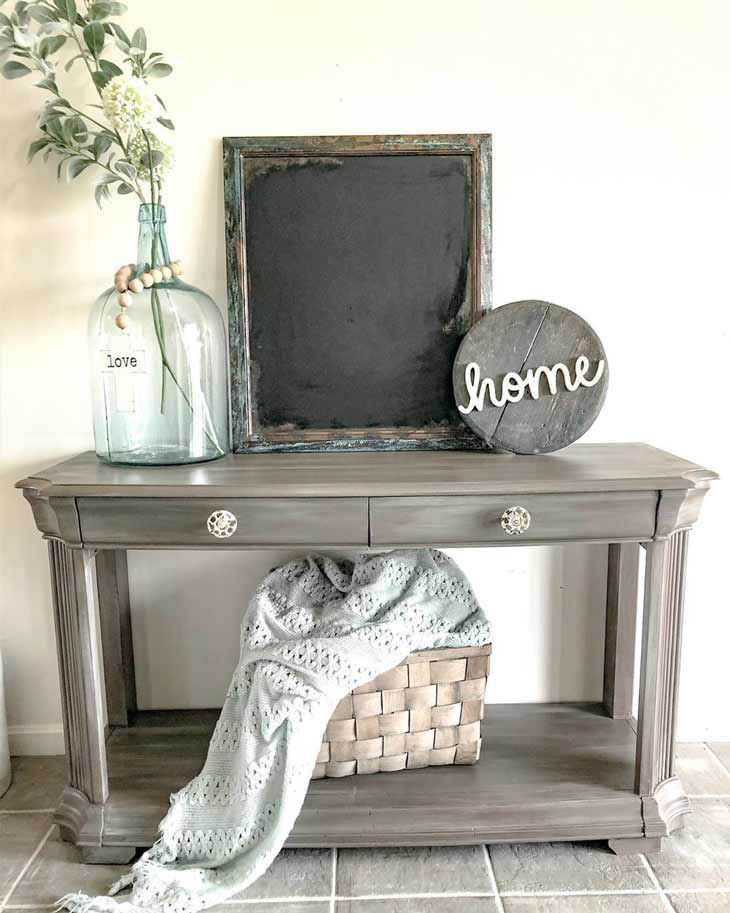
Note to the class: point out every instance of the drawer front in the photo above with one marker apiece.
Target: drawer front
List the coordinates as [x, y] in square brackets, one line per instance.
[225, 522]
[471, 520]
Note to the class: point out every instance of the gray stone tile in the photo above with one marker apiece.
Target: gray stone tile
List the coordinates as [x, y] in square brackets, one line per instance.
[419, 905]
[699, 855]
[411, 870]
[722, 751]
[19, 837]
[700, 903]
[37, 783]
[566, 867]
[591, 903]
[58, 870]
[699, 770]
[294, 873]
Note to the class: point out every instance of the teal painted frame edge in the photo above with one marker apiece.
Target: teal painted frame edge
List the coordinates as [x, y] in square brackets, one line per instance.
[477, 145]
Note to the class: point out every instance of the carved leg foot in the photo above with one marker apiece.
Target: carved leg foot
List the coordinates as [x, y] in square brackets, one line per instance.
[108, 855]
[626, 846]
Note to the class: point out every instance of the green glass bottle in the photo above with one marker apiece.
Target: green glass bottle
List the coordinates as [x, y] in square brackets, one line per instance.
[159, 386]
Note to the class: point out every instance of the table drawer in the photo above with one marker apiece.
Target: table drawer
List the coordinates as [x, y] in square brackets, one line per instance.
[224, 522]
[471, 520]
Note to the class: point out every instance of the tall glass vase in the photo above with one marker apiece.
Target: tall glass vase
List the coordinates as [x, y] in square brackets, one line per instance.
[159, 386]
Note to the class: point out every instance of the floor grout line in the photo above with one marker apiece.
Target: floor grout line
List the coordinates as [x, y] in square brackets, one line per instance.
[28, 864]
[333, 893]
[655, 881]
[27, 811]
[492, 879]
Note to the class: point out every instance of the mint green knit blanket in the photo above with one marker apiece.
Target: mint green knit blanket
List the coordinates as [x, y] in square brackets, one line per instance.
[315, 629]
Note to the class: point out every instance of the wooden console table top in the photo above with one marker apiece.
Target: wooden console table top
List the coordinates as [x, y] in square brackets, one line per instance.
[581, 467]
[548, 772]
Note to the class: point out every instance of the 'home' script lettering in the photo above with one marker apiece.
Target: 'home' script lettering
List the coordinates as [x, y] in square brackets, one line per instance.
[514, 386]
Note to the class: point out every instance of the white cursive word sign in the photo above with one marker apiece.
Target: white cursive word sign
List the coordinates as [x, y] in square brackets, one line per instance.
[514, 386]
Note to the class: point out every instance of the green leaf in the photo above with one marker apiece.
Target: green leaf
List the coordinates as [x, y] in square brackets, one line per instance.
[48, 83]
[101, 191]
[139, 40]
[42, 13]
[122, 37]
[166, 122]
[36, 146]
[71, 13]
[158, 70]
[4, 20]
[72, 61]
[109, 69]
[76, 165]
[75, 131]
[125, 188]
[14, 70]
[53, 129]
[102, 9]
[6, 43]
[101, 145]
[162, 103]
[100, 79]
[94, 36]
[50, 45]
[126, 169]
[21, 13]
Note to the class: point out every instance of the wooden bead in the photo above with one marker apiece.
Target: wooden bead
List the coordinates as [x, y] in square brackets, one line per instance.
[122, 321]
[156, 275]
[136, 286]
[176, 268]
[166, 273]
[120, 284]
[125, 299]
[126, 271]
[146, 280]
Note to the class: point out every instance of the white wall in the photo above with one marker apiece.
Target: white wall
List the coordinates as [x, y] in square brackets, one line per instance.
[611, 196]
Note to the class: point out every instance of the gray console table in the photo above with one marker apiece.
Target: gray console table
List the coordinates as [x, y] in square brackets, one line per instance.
[547, 772]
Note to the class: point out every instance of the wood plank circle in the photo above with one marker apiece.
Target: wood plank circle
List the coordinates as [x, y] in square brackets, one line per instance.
[518, 337]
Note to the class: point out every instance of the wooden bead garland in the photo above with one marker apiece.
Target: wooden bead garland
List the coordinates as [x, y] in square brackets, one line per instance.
[125, 282]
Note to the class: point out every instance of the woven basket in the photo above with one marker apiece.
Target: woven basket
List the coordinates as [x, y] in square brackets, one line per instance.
[423, 713]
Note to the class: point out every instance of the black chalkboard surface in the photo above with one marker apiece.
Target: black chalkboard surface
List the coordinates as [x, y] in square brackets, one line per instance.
[356, 265]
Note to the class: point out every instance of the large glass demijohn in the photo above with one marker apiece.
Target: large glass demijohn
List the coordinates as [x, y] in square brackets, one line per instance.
[159, 385]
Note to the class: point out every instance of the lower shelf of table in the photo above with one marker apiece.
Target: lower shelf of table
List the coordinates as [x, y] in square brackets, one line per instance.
[547, 772]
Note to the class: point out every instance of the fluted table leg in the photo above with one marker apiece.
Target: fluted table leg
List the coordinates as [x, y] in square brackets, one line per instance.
[664, 800]
[82, 697]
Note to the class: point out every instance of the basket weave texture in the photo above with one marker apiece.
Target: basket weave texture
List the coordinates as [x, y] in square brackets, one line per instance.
[425, 712]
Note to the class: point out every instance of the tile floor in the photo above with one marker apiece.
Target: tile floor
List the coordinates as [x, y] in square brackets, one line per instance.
[692, 875]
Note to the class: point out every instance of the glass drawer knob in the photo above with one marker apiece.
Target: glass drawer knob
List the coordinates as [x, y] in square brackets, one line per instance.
[515, 520]
[222, 524]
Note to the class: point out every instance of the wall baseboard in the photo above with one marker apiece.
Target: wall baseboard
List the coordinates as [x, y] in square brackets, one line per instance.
[36, 740]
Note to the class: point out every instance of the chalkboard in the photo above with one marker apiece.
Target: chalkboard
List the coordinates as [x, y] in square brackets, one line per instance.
[356, 265]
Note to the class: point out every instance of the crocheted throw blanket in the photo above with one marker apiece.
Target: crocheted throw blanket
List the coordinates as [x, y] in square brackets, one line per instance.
[315, 629]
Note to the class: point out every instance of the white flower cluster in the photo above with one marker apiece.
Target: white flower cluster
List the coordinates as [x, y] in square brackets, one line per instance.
[130, 104]
[139, 155]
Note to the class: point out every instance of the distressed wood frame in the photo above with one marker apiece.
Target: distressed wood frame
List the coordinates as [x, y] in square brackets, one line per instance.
[244, 432]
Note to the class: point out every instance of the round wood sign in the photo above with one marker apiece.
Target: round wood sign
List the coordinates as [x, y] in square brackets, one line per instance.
[530, 377]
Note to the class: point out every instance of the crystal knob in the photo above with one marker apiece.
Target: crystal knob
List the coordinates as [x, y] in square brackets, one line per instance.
[515, 520]
[222, 524]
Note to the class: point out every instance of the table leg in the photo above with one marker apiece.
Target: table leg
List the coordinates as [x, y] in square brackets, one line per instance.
[621, 604]
[74, 601]
[116, 636]
[663, 798]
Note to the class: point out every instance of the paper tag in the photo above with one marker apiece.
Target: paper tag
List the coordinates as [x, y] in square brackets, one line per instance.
[123, 362]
